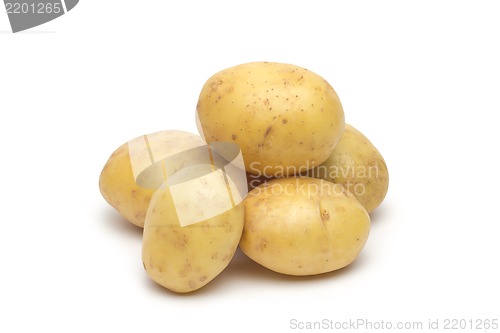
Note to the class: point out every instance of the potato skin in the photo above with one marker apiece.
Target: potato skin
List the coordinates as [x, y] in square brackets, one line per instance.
[303, 226]
[117, 183]
[356, 164]
[184, 259]
[285, 118]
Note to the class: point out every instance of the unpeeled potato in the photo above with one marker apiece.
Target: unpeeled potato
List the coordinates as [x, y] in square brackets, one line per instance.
[286, 119]
[303, 226]
[356, 164]
[192, 229]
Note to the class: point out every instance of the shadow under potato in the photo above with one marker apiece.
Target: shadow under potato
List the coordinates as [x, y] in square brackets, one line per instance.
[117, 223]
[243, 266]
[379, 214]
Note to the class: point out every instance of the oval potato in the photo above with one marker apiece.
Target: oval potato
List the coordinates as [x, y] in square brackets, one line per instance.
[183, 250]
[286, 119]
[303, 226]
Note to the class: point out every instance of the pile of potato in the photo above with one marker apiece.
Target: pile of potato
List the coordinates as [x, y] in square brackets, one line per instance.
[276, 171]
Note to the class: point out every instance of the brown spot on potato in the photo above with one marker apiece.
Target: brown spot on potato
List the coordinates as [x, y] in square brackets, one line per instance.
[284, 121]
[262, 245]
[234, 137]
[325, 216]
[202, 278]
[267, 131]
[215, 85]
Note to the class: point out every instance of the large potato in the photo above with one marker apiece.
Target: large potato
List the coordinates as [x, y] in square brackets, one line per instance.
[132, 173]
[356, 164]
[303, 226]
[285, 118]
[192, 229]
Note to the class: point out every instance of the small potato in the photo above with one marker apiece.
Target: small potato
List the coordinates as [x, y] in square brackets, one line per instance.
[132, 173]
[303, 226]
[285, 118]
[192, 229]
[357, 165]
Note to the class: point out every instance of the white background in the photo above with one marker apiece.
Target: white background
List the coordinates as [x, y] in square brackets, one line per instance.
[420, 78]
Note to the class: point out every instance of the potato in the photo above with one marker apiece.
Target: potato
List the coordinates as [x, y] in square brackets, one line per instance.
[285, 118]
[192, 229]
[303, 226]
[130, 176]
[357, 165]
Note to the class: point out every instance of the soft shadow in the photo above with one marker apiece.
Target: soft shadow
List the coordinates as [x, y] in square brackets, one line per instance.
[244, 268]
[116, 223]
[33, 32]
[379, 214]
[7, 32]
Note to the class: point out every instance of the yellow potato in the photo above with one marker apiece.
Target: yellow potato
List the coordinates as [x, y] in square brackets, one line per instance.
[303, 226]
[285, 118]
[357, 165]
[192, 229]
[130, 176]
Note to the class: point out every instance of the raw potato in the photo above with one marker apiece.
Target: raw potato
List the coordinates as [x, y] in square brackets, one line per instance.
[303, 226]
[117, 181]
[358, 166]
[285, 118]
[185, 258]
